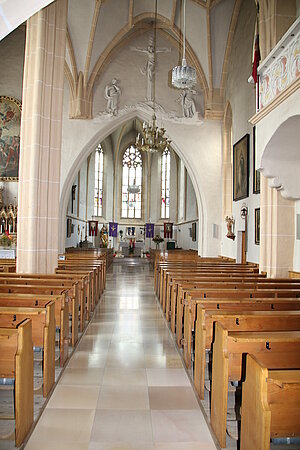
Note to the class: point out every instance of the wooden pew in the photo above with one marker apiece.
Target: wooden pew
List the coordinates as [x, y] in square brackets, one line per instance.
[94, 283]
[43, 334]
[270, 404]
[86, 303]
[174, 281]
[62, 309]
[228, 351]
[16, 361]
[209, 271]
[73, 284]
[240, 318]
[188, 305]
[220, 268]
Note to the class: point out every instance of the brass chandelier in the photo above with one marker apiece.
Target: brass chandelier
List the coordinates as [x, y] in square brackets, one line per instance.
[152, 139]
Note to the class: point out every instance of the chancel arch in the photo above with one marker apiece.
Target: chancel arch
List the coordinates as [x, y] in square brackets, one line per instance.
[115, 143]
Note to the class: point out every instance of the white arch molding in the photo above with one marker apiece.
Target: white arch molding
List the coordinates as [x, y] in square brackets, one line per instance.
[102, 134]
[280, 160]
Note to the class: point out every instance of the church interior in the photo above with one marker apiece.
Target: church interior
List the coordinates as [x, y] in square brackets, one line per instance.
[150, 224]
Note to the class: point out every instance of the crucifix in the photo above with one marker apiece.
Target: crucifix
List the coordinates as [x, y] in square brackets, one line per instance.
[149, 67]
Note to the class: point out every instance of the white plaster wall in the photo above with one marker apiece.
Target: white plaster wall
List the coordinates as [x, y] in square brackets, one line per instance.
[12, 50]
[200, 149]
[220, 22]
[191, 201]
[241, 96]
[133, 83]
[184, 239]
[297, 241]
[79, 232]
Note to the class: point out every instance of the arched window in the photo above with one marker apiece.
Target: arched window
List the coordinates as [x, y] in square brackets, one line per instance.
[165, 184]
[131, 183]
[98, 196]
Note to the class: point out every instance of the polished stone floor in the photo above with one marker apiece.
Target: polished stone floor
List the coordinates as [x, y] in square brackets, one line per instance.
[125, 386]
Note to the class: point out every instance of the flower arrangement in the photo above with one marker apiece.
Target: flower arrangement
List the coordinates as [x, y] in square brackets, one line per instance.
[157, 240]
[5, 239]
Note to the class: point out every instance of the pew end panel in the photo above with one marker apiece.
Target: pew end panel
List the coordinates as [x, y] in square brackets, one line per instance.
[270, 405]
[16, 361]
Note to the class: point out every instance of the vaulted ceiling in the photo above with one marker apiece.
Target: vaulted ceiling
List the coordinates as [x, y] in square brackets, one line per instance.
[99, 29]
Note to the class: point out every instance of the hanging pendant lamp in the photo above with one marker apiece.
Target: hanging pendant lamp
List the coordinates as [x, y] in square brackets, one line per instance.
[184, 76]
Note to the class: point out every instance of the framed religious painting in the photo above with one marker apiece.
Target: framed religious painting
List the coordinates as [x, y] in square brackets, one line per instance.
[194, 232]
[241, 168]
[256, 173]
[10, 123]
[257, 226]
[69, 227]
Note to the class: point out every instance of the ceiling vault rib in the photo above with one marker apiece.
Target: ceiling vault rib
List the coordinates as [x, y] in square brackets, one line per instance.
[232, 27]
[130, 13]
[91, 40]
[172, 18]
[72, 56]
[123, 36]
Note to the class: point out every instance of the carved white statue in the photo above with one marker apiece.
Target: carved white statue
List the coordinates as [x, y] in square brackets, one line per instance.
[112, 95]
[149, 67]
[187, 102]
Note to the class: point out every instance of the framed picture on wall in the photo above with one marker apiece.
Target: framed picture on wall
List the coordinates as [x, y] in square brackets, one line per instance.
[194, 231]
[69, 227]
[10, 123]
[241, 168]
[257, 226]
[256, 173]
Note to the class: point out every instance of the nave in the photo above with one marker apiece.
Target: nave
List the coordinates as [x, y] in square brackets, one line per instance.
[125, 386]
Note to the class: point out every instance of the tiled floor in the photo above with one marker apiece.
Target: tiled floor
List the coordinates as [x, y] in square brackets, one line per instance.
[125, 386]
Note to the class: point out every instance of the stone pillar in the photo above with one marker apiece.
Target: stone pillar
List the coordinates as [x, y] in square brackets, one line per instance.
[41, 129]
[277, 232]
[227, 163]
[275, 18]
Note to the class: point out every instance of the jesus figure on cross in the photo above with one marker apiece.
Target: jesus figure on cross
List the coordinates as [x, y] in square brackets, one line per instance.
[149, 67]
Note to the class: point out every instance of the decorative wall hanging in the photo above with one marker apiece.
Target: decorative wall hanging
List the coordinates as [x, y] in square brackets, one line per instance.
[150, 230]
[241, 168]
[168, 230]
[93, 227]
[113, 229]
[10, 122]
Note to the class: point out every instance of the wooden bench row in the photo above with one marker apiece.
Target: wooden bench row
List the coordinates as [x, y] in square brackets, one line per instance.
[44, 303]
[234, 311]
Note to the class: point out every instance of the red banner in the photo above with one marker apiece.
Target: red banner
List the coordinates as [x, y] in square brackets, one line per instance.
[168, 230]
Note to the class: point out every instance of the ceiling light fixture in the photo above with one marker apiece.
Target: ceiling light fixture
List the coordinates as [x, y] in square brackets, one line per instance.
[152, 139]
[184, 76]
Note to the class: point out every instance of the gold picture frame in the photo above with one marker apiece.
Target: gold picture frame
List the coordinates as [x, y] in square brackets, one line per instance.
[10, 124]
[241, 168]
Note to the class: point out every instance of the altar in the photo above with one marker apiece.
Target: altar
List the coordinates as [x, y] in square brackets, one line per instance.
[128, 249]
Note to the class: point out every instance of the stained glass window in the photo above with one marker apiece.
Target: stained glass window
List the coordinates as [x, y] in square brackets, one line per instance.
[132, 175]
[165, 184]
[98, 197]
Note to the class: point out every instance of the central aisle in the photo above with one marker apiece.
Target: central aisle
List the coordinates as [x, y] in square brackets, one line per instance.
[125, 386]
